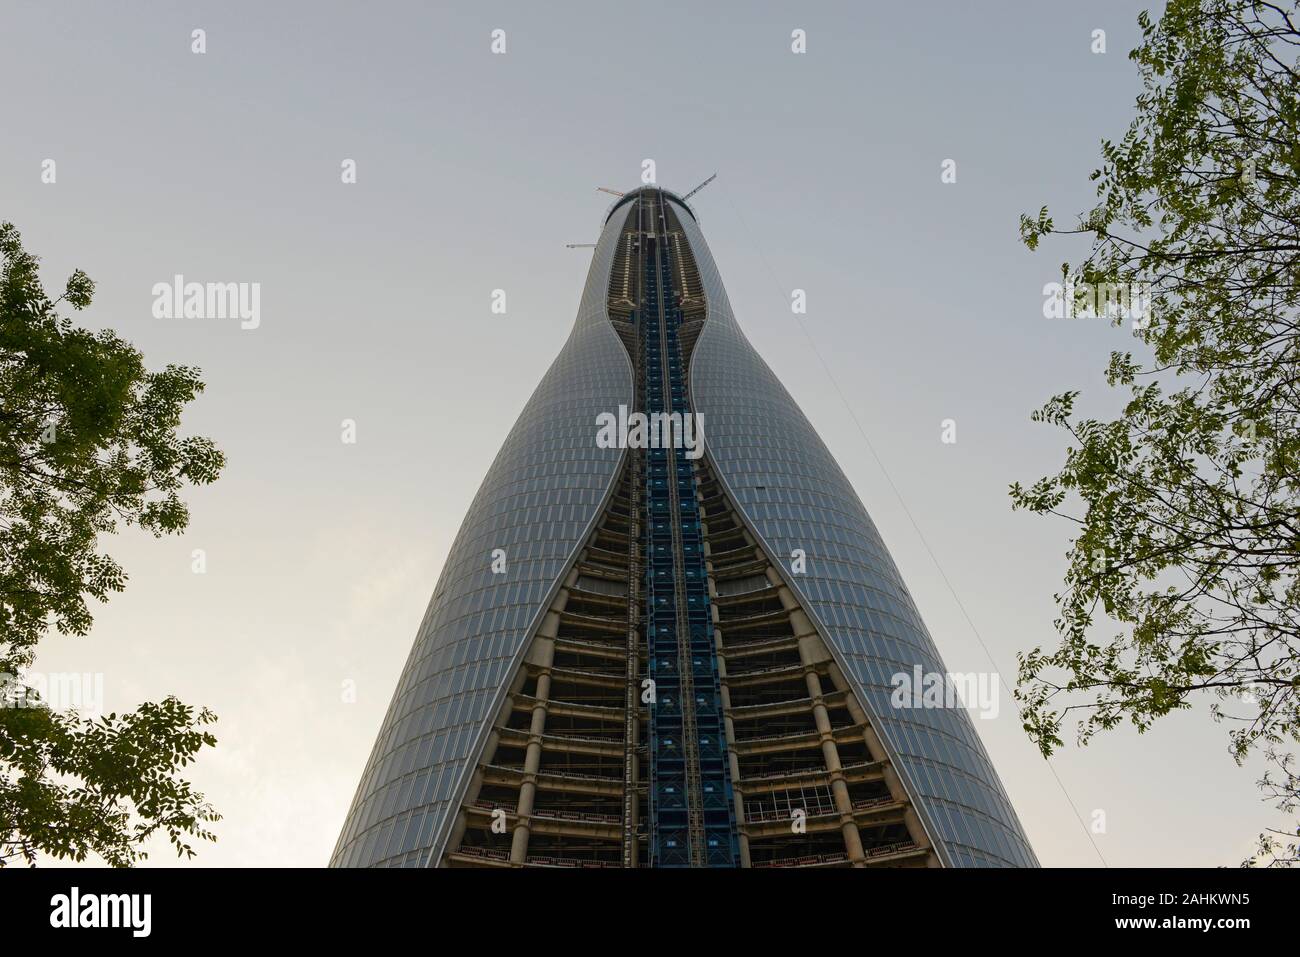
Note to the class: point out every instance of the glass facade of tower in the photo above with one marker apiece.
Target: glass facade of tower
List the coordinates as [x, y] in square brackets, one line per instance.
[538, 505]
[796, 497]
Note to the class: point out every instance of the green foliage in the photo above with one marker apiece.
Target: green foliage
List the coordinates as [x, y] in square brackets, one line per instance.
[1186, 505]
[88, 442]
[125, 791]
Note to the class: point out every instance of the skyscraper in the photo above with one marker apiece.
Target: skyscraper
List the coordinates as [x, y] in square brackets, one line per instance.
[641, 656]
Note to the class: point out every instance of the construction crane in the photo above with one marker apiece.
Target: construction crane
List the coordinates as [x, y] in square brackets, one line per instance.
[700, 187]
[612, 192]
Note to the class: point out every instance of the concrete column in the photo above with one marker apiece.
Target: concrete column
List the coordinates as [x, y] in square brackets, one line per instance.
[831, 753]
[729, 727]
[876, 748]
[733, 761]
[543, 656]
[636, 805]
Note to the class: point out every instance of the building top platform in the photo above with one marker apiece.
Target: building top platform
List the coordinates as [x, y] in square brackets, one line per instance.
[628, 197]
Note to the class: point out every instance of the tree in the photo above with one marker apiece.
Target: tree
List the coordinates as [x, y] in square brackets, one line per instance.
[88, 442]
[1186, 504]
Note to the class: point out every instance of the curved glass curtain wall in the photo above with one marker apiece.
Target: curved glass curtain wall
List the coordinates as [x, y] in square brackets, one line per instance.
[539, 498]
[794, 495]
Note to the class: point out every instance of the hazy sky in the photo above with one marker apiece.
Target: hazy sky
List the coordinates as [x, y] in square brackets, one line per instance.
[473, 171]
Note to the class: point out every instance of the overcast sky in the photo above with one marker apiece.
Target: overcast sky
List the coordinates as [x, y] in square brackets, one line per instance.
[473, 171]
